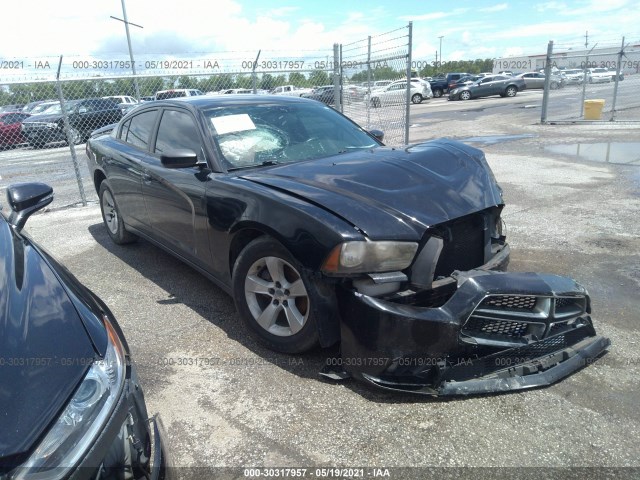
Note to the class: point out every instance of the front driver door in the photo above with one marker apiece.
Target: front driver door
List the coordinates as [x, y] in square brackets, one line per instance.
[175, 197]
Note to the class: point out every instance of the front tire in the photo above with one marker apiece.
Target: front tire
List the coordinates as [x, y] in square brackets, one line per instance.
[276, 299]
[465, 95]
[112, 218]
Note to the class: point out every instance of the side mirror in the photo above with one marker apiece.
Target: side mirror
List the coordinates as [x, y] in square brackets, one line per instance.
[378, 134]
[184, 158]
[25, 199]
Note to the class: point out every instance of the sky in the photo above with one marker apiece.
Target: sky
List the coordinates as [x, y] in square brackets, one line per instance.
[286, 29]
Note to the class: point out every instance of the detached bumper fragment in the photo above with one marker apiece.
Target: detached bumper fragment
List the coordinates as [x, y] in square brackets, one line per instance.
[496, 332]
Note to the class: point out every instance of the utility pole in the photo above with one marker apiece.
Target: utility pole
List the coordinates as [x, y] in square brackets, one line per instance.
[133, 63]
[436, 64]
[586, 39]
[441, 37]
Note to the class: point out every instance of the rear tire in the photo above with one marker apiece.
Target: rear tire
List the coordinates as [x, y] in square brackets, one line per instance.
[437, 93]
[416, 98]
[511, 91]
[112, 218]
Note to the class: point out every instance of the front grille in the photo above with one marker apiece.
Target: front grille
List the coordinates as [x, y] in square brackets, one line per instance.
[515, 320]
[496, 327]
[510, 302]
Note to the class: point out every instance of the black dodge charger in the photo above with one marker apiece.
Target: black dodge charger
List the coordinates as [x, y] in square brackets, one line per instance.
[323, 235]
[71, 405]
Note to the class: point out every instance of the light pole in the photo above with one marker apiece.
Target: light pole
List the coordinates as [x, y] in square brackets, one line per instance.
[133, 63]
[440, 52]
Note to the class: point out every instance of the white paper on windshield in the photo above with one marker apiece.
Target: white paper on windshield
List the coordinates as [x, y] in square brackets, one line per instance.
[232, 123]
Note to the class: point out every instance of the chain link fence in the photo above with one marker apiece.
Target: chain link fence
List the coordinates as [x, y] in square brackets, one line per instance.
[599, 84]
[50, 106]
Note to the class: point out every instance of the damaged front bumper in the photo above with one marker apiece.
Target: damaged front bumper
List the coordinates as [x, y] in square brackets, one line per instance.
[492, 332]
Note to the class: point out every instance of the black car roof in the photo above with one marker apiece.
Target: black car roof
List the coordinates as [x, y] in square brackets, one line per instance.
[206, 101]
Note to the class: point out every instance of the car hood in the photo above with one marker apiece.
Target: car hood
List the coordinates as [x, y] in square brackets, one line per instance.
[392, 193]
[48, 118]
[42, 342]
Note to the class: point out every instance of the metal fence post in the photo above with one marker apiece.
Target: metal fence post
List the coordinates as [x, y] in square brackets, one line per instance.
[584, 81]
[615, 87]
[408, 99]
[67, 127]
[254, 76]
[368, 98]
[337, 88]
[547, 83]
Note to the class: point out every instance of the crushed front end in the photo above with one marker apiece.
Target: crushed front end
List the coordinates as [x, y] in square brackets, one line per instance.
[478, 331]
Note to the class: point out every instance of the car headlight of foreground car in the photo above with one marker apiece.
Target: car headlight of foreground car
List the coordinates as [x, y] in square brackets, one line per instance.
[454, 91]
[82, 420]
[370, 257]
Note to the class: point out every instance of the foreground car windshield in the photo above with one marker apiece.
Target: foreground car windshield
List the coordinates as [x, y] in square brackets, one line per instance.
[251, 135]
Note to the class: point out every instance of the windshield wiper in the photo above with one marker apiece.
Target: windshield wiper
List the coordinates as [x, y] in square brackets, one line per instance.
[266, 163]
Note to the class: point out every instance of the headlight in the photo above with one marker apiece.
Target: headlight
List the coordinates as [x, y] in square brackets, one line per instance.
[82, 420]
[454, 91]
[51, 125]
[370, 257]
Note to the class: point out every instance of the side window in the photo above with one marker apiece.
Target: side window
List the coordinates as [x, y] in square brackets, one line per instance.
[178, 131]
[140, 129]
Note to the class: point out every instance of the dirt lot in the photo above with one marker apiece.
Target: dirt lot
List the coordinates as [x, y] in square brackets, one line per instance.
[248, 407]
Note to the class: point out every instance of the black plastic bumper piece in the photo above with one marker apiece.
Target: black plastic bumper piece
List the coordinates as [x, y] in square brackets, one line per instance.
[535, 373]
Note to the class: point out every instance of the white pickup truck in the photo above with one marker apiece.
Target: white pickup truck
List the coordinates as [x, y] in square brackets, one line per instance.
[290, 90]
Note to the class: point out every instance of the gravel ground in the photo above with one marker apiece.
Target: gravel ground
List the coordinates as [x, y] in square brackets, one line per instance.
[240, 405]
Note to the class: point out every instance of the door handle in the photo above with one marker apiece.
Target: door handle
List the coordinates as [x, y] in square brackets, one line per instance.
[146, 178]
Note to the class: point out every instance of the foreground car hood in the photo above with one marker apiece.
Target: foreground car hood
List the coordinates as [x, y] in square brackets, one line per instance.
[393, 193]
[42, 345]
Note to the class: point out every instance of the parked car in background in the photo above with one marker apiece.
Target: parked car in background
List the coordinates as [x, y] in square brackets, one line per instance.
[323, 235]
[177, 93]
[147, 98]
[613, 72]
[84, 116]
[598, 75]
[75, 408]
[124, 99]
[488, 86]
[30, 106]
[324, 94]
[11, 128]
[396, 93]
[573, 76]
[41, 107]
[440, 84]
[466, 80]
[536, 80]
[16, 107]
[290, 90]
